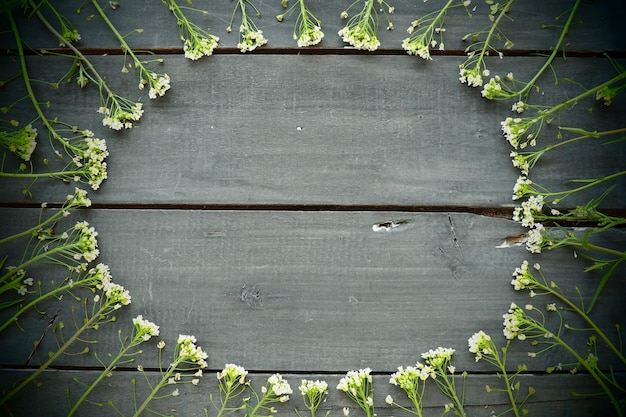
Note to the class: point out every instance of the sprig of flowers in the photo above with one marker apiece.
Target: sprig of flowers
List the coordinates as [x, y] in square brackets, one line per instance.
[523, 131]
[276, 390]
[73, 249]
[313, 393]
[188, 362]
[67, 29]
[143, 330]
[443, 373]
[87, 161]
[197, 42]
[508, 87]
[358, 386]
[250, 37]
[482, 345]
[423, 30]
[518, 324]
[527, 160]
[22, 142]
[361, 29]
[109, 298]
[233, 383]
[472, 71]
[412, 380]
[157, 84]
[525, 279]
[118, 111]
[308, 29]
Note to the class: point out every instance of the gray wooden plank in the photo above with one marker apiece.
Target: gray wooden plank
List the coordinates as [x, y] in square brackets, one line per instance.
[273, 132]
[600, 29]
[335, 294]
[553, 395]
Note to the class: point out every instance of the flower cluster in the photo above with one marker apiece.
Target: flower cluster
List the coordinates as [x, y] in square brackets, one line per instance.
[158, 83]
[422, 31]
[412, 380]
[361, 29]
[275, 390]
[439, 359]
[232, 383]
[197, 42]
[87, 243]
[514, 323]
[232, 375]
[250, 37]
[504, 88]
[21, 141]
[474, 68]
[481, 345]
[529, 211]
[314, 393]
[116, 295]
[73, 249]
[308, 29]
[278, 387]
[188, 352]
[195, 48]
[89, 159]
[19, 281]
[145, 329]
[472, 76]
[358, 386]
[521, 131]
[407, 378]
[119, 112]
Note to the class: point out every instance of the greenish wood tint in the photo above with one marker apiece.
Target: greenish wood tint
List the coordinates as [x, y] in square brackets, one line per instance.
[249, 206]
[602, 27]
[553, 395]
[332, 292]
[274, 132]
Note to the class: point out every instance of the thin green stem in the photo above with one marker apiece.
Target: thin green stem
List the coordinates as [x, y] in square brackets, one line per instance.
[61, 174]
[579, 97]
[593, 372]
[91, 322]
[591, 183]
[34, 302]
[585, 317]
[163, 382]
[37, 258]
[119, 37]
[26, 77]
[556, 49]
[105, 373]
[75, 50]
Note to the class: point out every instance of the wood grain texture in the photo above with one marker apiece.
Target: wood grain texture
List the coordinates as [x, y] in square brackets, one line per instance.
[283, 136]
[274, 132]
[334, 294]
[192, 401]
[601, 28]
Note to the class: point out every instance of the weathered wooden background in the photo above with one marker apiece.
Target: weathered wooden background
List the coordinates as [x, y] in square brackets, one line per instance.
[267, 170]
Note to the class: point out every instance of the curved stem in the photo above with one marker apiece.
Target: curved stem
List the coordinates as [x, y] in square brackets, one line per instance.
[93, 320]
[79, 55]
[556, 49]
[26, 77]
[104, 374]
[594, 373]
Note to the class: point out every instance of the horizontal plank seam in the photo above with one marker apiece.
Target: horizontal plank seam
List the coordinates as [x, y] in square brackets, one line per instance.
[486, 211]
[314, 51]
[285, 371]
